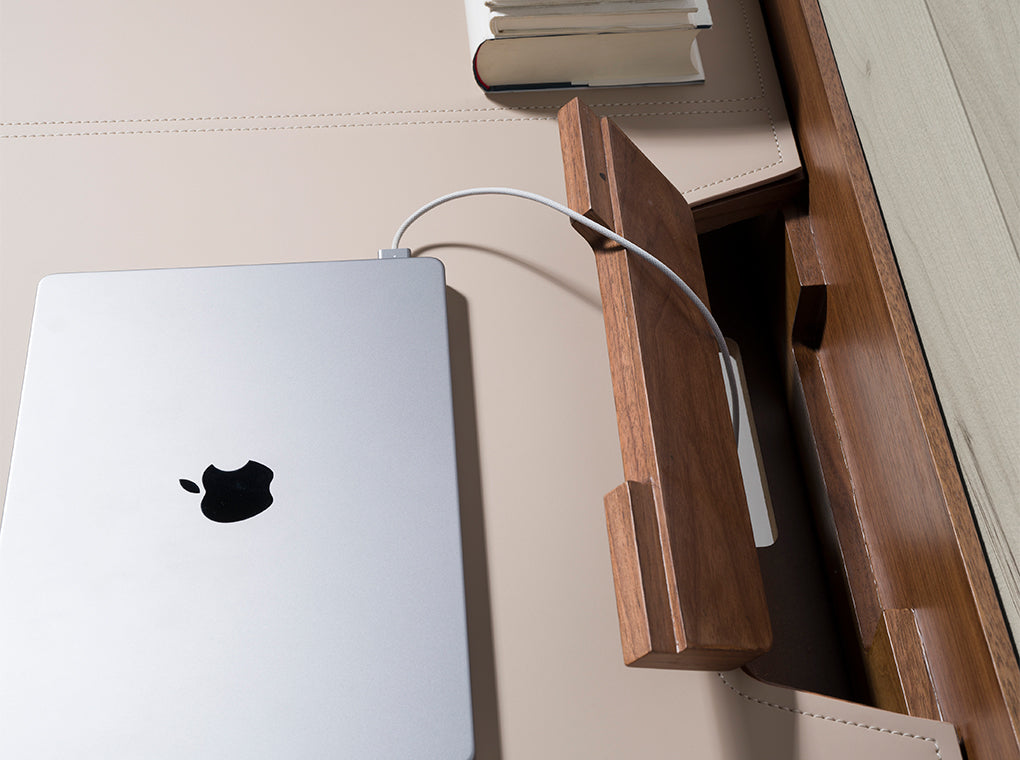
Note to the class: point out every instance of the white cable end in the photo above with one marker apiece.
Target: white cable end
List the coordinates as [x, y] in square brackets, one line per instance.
[394, 253]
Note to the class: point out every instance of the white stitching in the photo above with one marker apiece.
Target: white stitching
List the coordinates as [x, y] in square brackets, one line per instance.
[830, 718]
[278, 128]
[754, 50]
[350, 114]
[692, 113]
[427, 122]
[779, 150]
[419, 111]
[267, 117]
[733, 177]
[176, 119]
[390, 112]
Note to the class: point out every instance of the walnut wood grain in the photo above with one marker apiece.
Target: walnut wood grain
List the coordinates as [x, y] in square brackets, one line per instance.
[584, 168]
[839, 521]
[887, 442]
[805, 283]
[644, 593]
[675, 432]
[898, 667]
[719, 212]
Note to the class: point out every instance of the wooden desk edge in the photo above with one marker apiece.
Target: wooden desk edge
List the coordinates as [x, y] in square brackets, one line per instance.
[978, 690]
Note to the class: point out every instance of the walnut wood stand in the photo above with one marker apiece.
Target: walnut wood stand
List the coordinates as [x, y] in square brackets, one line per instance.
[689, 589]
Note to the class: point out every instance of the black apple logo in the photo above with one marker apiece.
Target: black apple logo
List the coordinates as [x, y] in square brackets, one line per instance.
[234, 496]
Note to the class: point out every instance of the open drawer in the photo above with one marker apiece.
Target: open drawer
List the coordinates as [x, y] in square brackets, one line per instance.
[922, 629]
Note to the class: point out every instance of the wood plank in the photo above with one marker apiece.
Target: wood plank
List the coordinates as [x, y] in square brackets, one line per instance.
[921, 540]
[943, 149]
[805, 283]
[981, 44]
[675, 431]
[898, 667]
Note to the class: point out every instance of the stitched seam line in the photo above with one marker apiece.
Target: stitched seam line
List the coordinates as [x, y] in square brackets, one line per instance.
[254, 117]
[426, 122]
[420, 122]
[779, 151]
[276, 128]
[832, 719]
[393, 112]
[754, 50]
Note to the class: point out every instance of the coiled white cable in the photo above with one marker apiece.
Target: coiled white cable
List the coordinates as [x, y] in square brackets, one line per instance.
[608, 233]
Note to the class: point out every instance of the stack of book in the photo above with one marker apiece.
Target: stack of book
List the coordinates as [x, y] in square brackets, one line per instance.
[525, 44]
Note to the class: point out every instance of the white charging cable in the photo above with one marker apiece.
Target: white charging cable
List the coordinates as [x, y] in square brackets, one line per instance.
[608, 233]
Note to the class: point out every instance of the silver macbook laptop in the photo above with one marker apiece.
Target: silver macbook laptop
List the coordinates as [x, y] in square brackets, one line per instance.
[232, 526]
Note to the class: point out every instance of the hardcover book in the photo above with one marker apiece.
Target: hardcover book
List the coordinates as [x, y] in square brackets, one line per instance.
[558, 45]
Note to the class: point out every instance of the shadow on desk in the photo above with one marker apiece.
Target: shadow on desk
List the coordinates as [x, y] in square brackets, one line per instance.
[485, 703]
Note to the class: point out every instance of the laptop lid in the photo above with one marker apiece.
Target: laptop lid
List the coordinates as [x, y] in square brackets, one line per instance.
[232, 526]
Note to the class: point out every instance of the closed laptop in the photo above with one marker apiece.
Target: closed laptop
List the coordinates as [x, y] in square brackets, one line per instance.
[232, 525]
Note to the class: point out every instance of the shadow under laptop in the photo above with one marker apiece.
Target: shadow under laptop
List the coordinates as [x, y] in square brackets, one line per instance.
[591, 298]
[485, 705]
